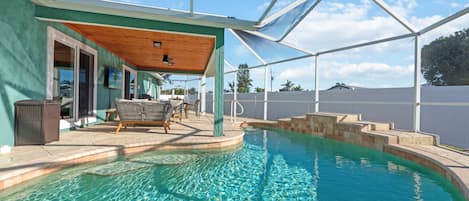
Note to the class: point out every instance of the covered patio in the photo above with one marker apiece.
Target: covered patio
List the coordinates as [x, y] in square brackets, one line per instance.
[150, 41]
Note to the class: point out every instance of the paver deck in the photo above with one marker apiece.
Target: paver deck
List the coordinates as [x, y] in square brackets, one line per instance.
[101, 141]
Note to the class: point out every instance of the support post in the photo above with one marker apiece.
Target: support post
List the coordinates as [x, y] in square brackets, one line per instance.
[203, 94]
[191, 12]
[417, 87]
[316, 84]
[219, 87]
[266, 84]
[213, 96]
[186, 94]
[235, 96]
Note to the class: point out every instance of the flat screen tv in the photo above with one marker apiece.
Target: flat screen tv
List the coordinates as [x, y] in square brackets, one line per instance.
[114, 78]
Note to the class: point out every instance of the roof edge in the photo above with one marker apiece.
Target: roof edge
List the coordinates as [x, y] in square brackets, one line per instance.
[149, 13]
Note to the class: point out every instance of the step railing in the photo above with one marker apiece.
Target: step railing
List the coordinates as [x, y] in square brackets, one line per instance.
[233, 111]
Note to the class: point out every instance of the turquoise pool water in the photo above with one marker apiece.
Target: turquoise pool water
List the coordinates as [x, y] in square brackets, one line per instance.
[269, 166]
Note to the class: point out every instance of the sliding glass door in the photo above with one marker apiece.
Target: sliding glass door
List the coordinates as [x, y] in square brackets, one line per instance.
[86, 84]
[130, 83]
[73, 86]
[64, 79]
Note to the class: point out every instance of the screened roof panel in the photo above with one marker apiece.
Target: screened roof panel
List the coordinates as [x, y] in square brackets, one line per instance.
[268, 50]
[335, 24]
[236, 53]
[422, 13]
[279, 4]
[281, 25]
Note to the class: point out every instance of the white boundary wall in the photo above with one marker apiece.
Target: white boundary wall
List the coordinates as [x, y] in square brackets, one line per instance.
[450, 122]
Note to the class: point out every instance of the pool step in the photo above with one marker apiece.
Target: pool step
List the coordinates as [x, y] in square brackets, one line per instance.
[363, 126]
[409, 138]
[350, 128]
[284, 123]
[333, 117]
[116, 168]
[261, 124]
[164, 159]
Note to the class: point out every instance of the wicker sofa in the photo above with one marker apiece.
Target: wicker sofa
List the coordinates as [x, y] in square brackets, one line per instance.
[138, 112]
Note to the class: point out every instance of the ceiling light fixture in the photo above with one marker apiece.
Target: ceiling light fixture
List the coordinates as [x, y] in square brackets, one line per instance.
[168, 60]
[157, 44]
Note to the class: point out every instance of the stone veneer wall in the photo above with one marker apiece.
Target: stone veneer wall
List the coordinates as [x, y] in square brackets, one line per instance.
[342, 127]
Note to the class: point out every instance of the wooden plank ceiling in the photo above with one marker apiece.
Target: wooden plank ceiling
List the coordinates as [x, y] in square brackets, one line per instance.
[189, 53]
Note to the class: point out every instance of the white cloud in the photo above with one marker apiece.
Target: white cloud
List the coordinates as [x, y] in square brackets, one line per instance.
[240, 51]
[364, 70]
[336, 25]
[356, 84]
[403, 7]
[257, 72]
[296, 73]
[262, 7]
[455, 5]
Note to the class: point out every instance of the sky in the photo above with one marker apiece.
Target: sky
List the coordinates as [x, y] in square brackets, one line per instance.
[333, 24]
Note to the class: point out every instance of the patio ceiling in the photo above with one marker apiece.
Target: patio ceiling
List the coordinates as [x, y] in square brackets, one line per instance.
[190, 53]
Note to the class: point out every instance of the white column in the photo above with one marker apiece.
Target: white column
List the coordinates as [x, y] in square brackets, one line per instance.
[266, 84]
[417, 87]
[213, 96]
[185, 88]
[235, 95]
[198, 89]
[316, 84]
[203, 84]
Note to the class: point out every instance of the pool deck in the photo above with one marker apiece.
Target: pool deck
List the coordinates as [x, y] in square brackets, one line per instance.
[100, 142]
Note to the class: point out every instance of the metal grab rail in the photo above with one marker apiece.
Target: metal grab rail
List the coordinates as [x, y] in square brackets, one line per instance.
[233, 114]
[242, 108]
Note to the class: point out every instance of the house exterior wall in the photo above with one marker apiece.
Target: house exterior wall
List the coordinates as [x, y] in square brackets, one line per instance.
[23, 54]
[23, 49]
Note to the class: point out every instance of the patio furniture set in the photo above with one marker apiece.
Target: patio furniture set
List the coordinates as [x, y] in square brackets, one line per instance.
[151, 113]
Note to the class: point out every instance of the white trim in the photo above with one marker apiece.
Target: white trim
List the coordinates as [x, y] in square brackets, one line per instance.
[55, 35]
[133, 71]
[149, 13]
[125, 27]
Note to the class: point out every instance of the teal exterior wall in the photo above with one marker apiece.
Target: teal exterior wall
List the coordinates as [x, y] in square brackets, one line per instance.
[23, 54]
[219, 87]
[20, 75]
[23, 49]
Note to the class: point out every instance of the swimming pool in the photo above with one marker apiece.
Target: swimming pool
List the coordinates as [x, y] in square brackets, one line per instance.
[271, 165]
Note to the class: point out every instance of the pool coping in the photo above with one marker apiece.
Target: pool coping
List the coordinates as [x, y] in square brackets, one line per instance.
[28, 171]
[434, 162]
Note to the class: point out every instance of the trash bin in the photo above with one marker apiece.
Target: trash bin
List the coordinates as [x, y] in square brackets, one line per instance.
[36, 122]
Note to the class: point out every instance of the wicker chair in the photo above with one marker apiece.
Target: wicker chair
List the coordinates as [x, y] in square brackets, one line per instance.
[143, 113]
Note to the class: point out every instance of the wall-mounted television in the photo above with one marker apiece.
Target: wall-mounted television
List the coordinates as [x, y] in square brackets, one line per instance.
[113, 78]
